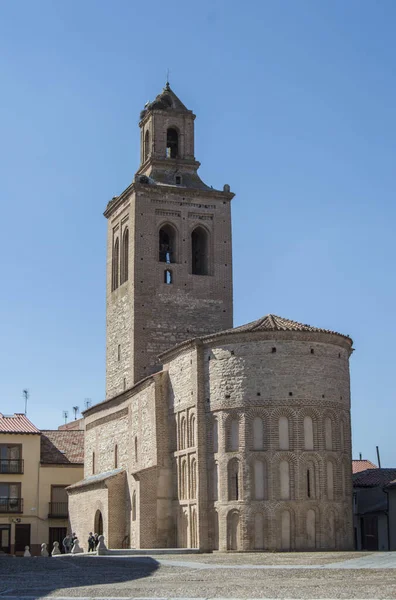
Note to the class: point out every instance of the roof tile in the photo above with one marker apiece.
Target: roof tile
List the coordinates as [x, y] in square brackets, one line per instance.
[62, 447]
[17, 423]
[362, 465]
[374, 477]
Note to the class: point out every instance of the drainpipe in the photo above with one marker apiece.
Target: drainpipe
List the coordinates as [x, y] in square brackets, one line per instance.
[387, 516]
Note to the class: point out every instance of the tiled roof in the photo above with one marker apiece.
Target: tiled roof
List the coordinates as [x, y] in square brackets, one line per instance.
[374, 477]
[275, 323]
[62, 447]
[98, 478]
[17, 423]
[362, 465]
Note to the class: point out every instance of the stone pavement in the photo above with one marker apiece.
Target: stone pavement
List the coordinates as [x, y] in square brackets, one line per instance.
[305, 576]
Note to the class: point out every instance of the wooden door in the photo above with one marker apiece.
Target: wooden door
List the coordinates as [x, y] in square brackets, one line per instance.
[22, 537]
[5, 539]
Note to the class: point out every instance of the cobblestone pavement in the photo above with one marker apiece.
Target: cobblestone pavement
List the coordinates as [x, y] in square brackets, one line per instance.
[218, 576]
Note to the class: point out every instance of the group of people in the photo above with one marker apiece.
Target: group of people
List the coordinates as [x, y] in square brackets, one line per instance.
[69, 541]
[93, 541]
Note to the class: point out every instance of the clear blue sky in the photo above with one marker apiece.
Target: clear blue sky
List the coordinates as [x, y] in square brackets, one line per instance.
[295, 105]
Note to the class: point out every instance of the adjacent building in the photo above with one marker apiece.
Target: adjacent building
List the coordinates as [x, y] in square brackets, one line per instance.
[374, 503]
[35, 469]
[211, 437]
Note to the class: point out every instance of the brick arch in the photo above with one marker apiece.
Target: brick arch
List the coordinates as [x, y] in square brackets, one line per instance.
[283, 411]
[234, 479]
[328, 458]
[333, 416]
[304, 462]
[227, 424]
[175, 240]
[253, 490]
[308, 411]
[233, 530]
[304, 522]
[250, 416]
[331, 527]
[275, 489]
[277, 524]
[252, 528]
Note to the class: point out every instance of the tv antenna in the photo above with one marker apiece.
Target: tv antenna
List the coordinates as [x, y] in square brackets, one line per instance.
[76, 410]
[87, 403]
[26, 396]
[65, 415]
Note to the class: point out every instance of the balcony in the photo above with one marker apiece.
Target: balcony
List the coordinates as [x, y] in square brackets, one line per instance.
[58, 510]
[11, 505]
[11, 466]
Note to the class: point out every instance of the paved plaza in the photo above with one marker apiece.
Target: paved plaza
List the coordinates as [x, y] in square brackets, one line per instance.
[308, 576]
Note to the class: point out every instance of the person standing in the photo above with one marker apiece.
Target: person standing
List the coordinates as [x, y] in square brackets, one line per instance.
[67, 543]
[91, 542]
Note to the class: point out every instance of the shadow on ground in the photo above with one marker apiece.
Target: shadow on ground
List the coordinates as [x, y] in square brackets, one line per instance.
[38, 576]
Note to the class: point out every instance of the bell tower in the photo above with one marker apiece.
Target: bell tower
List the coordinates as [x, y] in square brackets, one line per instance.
[169, 254]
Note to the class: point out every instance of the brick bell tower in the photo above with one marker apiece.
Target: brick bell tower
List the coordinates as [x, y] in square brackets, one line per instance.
[169, 253]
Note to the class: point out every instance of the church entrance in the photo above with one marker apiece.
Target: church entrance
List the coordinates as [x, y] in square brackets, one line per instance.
[98, 526]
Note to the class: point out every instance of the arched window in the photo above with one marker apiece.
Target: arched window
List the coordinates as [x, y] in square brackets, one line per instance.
[183, 432]
[330, 480]
[199, 251]
[234, 435]
[125, 256]
[308, 433]
[183, 480]
[258, 434]
[172, 143]
[192, 430]
[311, 528]
[215, 482]
[146, 145]
[114, 265]
[134, 506]
[116, 456]
[215, 435]
[234, 483]
[258, 531]
[259, 479]
[285, 530]
[193, 479]
[233, 542]
[311, 480]
[93, 463]
[328, 434]
[283, 433]
[342, 436]
[284, 475]
[167, 244]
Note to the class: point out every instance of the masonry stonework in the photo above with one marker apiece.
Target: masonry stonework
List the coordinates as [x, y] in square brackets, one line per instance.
[211, 437]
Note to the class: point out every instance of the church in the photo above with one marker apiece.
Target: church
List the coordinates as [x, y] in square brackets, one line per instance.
[210, 437]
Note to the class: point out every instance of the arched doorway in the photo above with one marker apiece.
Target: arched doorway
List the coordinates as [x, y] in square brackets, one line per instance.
[98, 527]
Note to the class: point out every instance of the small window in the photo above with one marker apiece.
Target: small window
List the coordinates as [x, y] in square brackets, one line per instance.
[199, 251]
[168, 277]
[167, 244]
[273, 350]
[172, 143]
[124, 383]
[116, 456]
[178, 180]
[115, 265]
[119, 352]
[93, 463]
[146, 145]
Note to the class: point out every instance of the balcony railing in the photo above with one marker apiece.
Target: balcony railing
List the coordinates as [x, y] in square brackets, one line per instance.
[11, 505]
[11, 465]
[58, 510]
